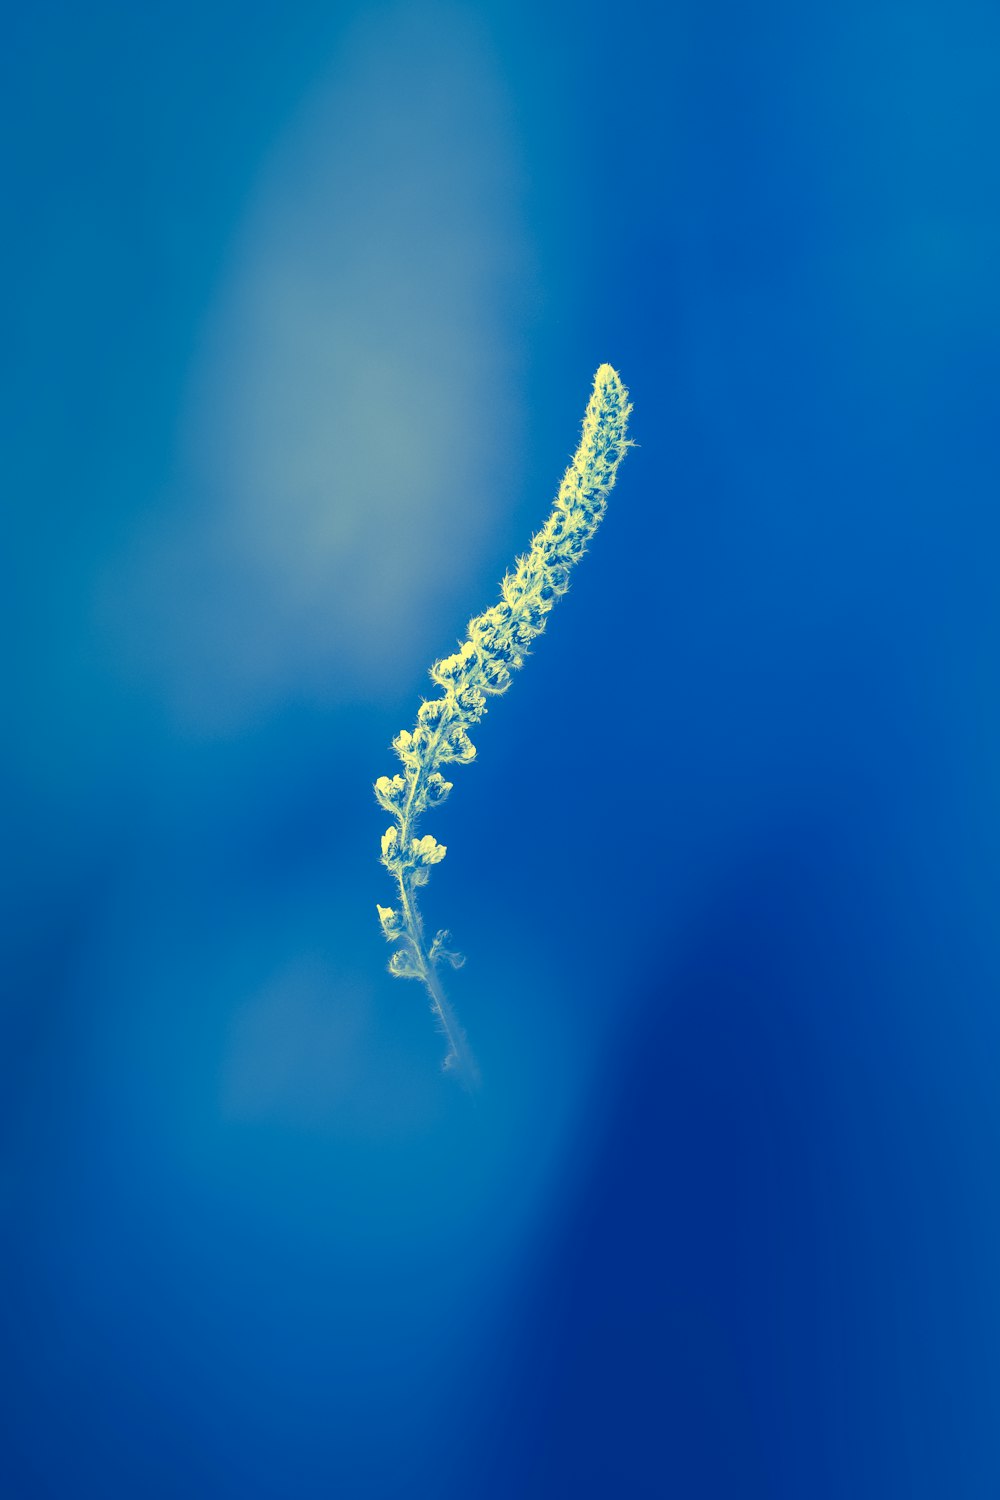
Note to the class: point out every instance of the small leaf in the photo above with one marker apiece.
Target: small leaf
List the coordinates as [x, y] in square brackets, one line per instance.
[432, 710]
[485, 628]
[437, 789]
[472, 701]
[439, 951]
[453, 670]
[419, 741]
[457, 747]
[512, 588]
[403, 964]
[390, 794]
[405, 749]
[497, 677]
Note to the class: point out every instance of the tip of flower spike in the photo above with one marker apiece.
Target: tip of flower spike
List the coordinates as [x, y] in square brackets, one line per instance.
[610, 404]
[608, 375]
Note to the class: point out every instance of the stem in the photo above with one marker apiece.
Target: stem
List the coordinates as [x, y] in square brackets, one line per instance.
[459, 1054]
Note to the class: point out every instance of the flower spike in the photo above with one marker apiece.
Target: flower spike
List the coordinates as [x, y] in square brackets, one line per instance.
[496, 645]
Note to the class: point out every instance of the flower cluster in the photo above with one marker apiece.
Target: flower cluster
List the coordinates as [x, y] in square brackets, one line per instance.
[496, 645]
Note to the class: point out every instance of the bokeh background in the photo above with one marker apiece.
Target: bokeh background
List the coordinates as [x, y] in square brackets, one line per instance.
[303, 305]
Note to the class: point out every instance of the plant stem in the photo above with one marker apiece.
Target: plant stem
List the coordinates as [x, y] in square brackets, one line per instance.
[459, 1056]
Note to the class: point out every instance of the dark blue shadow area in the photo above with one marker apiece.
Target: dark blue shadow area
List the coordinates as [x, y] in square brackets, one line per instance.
[778, 1278]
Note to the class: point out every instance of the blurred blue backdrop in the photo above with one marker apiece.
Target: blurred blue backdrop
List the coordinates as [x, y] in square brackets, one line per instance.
[304, 302]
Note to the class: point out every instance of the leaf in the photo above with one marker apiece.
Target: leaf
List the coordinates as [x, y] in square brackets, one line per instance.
[497, 677]
[453, 670]
[437, 789]
[405, 749]
[432, 711]
[457, 747]
[439, 951]
[472, 701]
[403, 964]
[391, 794]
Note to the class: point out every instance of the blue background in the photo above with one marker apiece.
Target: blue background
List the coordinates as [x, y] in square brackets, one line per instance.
[303, 307]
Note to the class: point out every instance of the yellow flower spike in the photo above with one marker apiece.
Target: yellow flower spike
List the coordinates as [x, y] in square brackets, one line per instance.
[496, 645]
